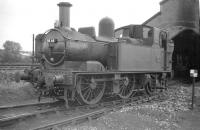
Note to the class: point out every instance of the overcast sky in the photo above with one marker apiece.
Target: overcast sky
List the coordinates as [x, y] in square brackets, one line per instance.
[19, 19]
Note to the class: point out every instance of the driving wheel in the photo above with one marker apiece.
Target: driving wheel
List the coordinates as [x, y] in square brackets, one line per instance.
[127, 87]
[90, 90]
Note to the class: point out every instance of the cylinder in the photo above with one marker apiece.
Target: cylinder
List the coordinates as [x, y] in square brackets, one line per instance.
[21, 76]
[64, 14]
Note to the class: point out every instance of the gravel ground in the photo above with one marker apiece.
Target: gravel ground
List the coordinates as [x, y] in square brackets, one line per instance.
[173, 113]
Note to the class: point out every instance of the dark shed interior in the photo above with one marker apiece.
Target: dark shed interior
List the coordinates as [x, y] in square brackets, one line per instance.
[186, 54]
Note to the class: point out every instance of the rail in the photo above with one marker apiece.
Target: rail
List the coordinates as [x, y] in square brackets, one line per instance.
[92, 112]
[17, 66]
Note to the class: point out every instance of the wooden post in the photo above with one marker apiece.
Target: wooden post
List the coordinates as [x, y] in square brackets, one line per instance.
[193, 88]
[193, 74]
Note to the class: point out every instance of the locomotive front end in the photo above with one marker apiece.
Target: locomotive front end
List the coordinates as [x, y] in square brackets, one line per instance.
[54, 48]
[61, 51]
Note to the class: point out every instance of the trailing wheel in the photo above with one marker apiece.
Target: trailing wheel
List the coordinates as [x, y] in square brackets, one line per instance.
[89, 89]
[150, 85]
[149, 89]
[127, 87]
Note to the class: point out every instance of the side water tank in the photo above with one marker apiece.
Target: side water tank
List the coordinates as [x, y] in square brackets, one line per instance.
[106, 28]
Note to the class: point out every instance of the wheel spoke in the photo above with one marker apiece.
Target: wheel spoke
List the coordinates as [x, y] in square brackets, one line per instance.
[86, 93]
[91, 91]
[93, 94]
[85, 88]
[127, 88]
[124, 90]
[97, 91]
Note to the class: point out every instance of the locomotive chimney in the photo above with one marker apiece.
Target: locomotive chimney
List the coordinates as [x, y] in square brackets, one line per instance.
[64, 14]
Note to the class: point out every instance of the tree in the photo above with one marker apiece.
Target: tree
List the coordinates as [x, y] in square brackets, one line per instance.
[12, 46]
[11, 52]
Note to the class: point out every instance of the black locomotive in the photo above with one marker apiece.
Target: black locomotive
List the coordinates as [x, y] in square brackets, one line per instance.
[78, 65]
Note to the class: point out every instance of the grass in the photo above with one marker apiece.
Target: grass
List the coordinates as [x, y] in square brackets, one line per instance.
[10, 91]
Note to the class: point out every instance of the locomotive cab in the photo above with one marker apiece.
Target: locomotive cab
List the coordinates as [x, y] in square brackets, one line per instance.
[148, 42]
[146, 33]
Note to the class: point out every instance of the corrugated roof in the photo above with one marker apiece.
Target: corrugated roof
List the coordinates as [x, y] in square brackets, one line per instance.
[163, 1]
[153, 17]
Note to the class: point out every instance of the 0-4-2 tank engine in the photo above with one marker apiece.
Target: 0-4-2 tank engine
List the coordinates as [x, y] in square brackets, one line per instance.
[78, 65]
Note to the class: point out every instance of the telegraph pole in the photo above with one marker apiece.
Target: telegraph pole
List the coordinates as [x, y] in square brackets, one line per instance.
[33, 53]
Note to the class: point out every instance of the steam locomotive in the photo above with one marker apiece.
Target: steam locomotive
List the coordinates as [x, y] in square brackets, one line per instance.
[78, 65]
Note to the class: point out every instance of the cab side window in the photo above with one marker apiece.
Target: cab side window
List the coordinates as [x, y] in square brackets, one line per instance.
[126, 33]
[119, 33]
[147, 32]
[122, 33]
[147, 36]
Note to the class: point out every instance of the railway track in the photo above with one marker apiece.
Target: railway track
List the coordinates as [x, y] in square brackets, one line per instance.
[12, 113]
[16, 66]
[73, 115]
[96, 113]
[88, 116]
